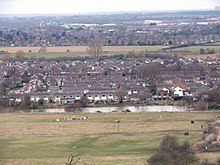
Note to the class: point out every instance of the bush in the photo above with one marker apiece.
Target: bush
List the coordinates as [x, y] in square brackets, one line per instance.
[171, 152]
[200, 106]
[214, 106]
[202, 51]
[75, 107]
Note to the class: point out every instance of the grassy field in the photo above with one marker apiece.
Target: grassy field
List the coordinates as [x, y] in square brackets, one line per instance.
[36, 139]
[197, 48]
[83, 49]
[52, 52]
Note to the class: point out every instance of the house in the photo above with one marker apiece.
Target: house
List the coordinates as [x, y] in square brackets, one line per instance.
[163, 94]
[178, 91]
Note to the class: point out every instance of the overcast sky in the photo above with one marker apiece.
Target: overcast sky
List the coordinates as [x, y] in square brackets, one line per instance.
[86, 6]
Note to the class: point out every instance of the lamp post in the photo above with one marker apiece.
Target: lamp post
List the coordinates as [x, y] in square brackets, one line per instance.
[118, 121]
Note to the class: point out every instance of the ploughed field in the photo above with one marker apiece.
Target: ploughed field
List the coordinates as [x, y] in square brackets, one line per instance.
[43, 138]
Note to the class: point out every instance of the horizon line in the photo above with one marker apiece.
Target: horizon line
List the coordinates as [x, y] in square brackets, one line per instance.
[107, 12]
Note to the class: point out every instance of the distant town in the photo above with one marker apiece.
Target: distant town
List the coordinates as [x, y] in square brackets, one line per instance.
[177, 28]
[132, 77]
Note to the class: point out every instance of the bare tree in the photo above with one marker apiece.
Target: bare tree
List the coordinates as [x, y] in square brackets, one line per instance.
[19, 55]
[73, 159]
[121, 93]
[43, 49]
[6, 56]
[95, 47]
[149, 71]
[26, 100]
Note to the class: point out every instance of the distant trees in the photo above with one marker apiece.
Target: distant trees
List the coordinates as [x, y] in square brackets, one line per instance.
[25, 77]
[83, 101]
[4, 102]
[41, 102]
[19, 55]
[26, 100]
[202, 51]
[43, 49]
[207, 51]
[170, 152]
[77, 105]
[95, 47]
[121, 93]
[149, 71]
[6, 56]
[210, 95]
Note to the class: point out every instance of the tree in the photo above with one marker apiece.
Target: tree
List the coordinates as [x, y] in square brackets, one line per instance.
[19, 55]
[121, 93]
[26, 100]
[41, 102]
[43, 49]
[95, 47]
[202, 51]
[4, 102]
[171, 152]
[25, 77]
[73, 159]
[149, 71]
[213, 94]
[83, 101]
[212, 51]
[6, 55]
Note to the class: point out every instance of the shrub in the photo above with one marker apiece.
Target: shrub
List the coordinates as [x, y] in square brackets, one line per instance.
[171, 152]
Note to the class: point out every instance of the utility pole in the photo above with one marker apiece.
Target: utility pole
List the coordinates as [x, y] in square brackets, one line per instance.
[118, 121]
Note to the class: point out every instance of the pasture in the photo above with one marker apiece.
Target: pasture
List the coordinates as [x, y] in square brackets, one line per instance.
[68, 51]
[197, 48]
[37, 138]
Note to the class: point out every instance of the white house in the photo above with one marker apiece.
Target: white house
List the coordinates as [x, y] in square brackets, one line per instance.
[104, 98]
[90, 98]
[178, 91]
[97, 98]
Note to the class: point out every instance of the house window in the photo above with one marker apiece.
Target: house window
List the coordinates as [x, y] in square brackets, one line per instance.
[103, 95]
[71, 96]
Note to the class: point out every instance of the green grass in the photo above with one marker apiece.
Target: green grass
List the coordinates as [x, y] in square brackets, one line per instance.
[197, 48]
[54, 52]
[49, 55]
[25, 141]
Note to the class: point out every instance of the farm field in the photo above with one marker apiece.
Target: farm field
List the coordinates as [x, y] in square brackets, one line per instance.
[49, 55]
[54, 52]
[68, 51]
[201, 56]
[197, 48]
[83, 49]
[37, 138]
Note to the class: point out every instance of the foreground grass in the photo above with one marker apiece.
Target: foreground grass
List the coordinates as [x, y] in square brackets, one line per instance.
[37, 139]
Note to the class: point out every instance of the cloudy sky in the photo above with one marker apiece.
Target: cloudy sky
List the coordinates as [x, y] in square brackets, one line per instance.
[86, 6]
